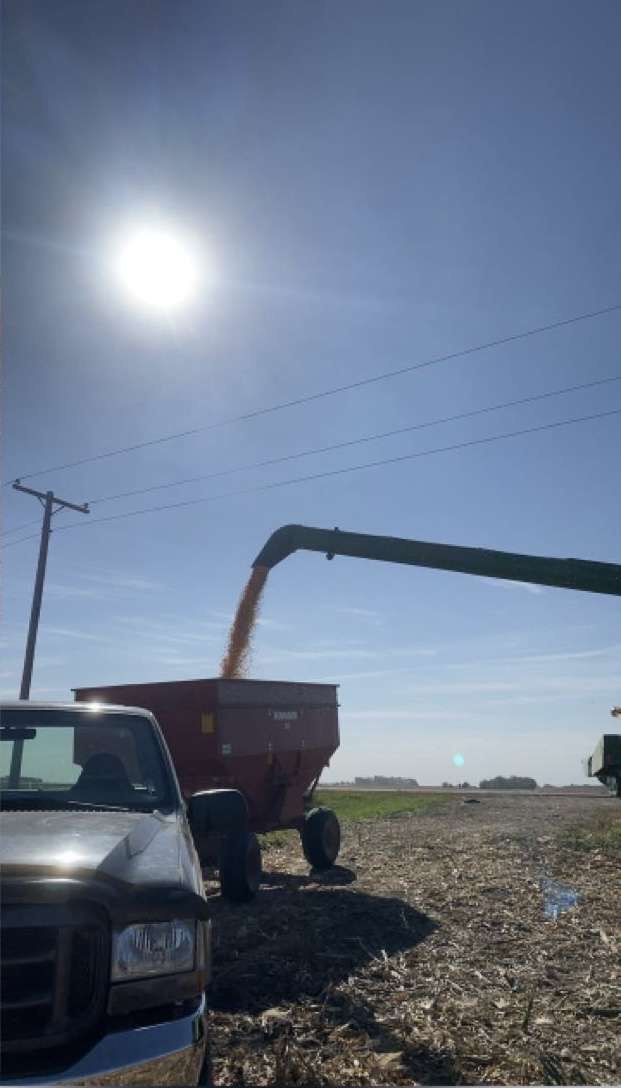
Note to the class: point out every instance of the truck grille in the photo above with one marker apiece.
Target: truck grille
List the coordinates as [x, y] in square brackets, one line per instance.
[53, 975]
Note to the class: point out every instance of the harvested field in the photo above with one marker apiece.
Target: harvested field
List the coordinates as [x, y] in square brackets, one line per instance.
[426, 956]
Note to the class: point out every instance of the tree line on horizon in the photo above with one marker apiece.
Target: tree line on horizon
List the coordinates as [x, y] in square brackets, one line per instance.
[498, 782]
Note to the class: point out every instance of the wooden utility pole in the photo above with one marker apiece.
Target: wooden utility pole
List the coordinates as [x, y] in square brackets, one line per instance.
[51, 503]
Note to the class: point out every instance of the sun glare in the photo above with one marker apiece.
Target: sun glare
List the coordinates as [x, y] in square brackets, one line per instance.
[157, 268]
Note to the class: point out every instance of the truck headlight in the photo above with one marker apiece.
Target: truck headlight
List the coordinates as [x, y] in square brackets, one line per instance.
[154, 948]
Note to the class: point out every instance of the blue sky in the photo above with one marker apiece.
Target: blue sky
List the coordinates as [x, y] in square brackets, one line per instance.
[375, 185]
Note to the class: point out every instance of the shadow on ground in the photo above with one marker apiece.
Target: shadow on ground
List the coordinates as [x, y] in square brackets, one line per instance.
[294, 945]
[301, 935]
[335, 876]
[421, 1064]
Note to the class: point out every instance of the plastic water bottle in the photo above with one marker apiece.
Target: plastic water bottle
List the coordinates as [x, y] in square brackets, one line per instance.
[557, 898]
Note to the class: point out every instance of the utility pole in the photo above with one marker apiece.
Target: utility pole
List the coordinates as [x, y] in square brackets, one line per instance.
[51, 504]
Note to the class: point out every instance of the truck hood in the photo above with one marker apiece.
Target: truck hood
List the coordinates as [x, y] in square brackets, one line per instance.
[135, 848]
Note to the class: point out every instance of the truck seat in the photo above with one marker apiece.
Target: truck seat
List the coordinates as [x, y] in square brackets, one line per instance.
[103, 778]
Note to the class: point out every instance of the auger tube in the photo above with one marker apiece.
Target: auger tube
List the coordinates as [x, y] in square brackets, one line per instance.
[580, 574]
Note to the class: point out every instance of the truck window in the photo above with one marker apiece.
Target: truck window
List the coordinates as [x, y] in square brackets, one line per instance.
[77, 757]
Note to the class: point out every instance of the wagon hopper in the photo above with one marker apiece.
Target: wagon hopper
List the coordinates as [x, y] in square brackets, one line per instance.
[268, 739]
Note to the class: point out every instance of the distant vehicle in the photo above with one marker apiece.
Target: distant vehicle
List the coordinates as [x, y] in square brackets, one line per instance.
[105, 926]
[605, 762]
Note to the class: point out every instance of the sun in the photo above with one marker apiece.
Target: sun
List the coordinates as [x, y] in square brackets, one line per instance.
[157, 268]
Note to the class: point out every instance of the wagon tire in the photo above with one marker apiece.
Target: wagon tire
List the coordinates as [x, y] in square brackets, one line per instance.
[321, 838]
[240, 867]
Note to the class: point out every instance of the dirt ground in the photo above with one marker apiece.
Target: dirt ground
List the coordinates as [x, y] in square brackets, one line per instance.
[426, 957]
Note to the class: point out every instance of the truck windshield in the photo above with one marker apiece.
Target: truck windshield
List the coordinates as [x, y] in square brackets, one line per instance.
[70, 758]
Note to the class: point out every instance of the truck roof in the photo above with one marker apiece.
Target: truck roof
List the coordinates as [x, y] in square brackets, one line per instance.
[110, 708]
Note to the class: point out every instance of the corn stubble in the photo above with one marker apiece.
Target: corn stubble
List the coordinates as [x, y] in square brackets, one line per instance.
[426, 957]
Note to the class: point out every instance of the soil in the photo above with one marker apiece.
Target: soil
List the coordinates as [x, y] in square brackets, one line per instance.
[426, 956]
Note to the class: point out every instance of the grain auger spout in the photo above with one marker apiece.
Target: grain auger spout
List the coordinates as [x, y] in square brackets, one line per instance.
[580, 574]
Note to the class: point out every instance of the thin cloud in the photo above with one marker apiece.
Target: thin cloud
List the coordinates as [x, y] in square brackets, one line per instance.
[68, 695]
[469, 687]
[56, 589]
[273, 625]
[540, 658]
[570, 655]
[319, 653]
[183, 639]
[99, 586]
[119, 580]
[42, 661]
[368, 674]
[349, 610]
[114, 579]
[39, 693]
[564, 687]
[508, 583]
[68, 632]
[184, 662]
[169, 630]
[339, 644]
[404, 715]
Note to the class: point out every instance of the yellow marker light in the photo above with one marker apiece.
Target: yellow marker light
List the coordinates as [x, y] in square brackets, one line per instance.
[208, 723]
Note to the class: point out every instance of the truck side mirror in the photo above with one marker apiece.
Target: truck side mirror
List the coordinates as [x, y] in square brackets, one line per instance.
[221, 811]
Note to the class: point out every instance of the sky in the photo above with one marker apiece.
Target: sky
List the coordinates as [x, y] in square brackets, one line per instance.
[369, 186]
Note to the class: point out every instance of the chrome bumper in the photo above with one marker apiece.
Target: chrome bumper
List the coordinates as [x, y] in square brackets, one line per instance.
[171, 1053]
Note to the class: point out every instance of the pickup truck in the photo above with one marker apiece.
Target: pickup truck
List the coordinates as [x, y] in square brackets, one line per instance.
[105, 928]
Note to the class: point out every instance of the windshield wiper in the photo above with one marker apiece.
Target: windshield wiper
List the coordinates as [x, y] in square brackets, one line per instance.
[58, 803]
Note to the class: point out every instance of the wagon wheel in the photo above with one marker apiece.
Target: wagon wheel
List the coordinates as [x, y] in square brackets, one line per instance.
[321, 838]
[240, 866]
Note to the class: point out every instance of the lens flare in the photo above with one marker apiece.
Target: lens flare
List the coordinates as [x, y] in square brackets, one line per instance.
[458, 759]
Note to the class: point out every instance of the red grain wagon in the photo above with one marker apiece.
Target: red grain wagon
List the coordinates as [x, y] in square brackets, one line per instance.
[268, 739]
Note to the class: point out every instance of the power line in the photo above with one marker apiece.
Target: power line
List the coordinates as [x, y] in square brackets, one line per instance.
[341, 471]
[22, 540]
[18, 528]
[308, 398]
[358, 441]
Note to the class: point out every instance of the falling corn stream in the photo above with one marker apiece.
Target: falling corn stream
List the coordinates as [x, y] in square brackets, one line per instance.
[237, 657]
